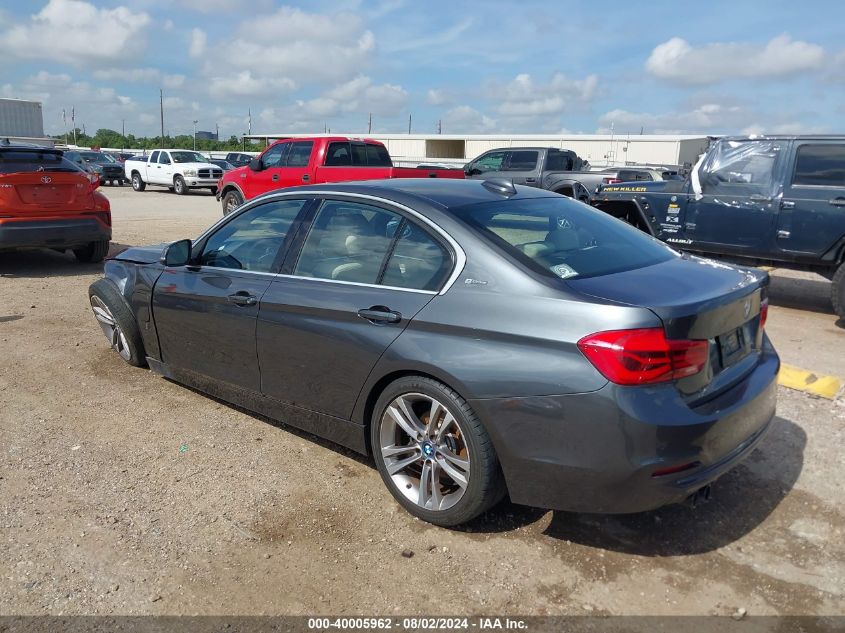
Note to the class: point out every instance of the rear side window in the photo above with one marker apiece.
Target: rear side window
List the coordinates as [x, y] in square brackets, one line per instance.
[559, 161]
[522, 160]
[740, 167]
[378, 156]
[300, 153]
[820, 166]
[338, 155]
[561, 238]
[22, 161]
[418, 260]
[154, 157]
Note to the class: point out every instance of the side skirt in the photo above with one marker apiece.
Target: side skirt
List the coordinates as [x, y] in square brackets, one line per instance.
[338, 430]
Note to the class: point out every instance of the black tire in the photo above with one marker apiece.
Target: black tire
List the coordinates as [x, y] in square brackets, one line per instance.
[107, 293]
[93, 252]
[837, 291]
[231, 201]
[137, 182]
[485, 486]
[179, 186]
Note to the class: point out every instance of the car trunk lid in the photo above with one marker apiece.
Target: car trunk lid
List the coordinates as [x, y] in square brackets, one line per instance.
[696, 299]
[32, 193]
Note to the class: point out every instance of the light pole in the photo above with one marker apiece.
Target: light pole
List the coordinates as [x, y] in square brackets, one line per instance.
[195, 134]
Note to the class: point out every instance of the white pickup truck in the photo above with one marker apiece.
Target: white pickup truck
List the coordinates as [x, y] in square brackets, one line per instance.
[179, 170]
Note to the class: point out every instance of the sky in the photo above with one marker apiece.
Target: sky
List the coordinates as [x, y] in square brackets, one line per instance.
[720, 67]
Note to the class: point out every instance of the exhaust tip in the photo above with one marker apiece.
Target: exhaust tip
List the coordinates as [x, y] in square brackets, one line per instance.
[699, 497]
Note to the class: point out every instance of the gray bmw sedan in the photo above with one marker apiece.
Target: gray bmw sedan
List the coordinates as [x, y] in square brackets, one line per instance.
[477, 339]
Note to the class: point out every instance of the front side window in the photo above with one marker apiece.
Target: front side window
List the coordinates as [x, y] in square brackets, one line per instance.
[522, 160]
[163, 159]
[275, 155]
[252, 240]
[300, 153]
[740, 168]
[561, 238]
[490, 162]
[820, 166]
[348, 241]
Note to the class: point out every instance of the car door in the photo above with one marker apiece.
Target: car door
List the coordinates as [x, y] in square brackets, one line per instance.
[812, 216]
[268, 179]
[205, 313]
[295, 168]
[325, 321]
[521, 167]
[736, 212]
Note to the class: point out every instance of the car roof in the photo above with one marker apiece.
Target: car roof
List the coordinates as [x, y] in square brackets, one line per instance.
[29, 148]
[785, 137]
[446, 193]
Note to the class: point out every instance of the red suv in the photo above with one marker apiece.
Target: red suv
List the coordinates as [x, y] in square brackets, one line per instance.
[47, 201]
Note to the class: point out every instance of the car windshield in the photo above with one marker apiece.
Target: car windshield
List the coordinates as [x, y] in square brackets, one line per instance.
[20, 161]
[559, 237]
[96, 157]
[188, 157]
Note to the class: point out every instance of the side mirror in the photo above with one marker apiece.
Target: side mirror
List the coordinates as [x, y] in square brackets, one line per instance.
[256, 165]
[177, 253]
[472, 171]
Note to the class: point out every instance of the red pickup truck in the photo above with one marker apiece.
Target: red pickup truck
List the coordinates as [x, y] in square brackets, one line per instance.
[303, 161]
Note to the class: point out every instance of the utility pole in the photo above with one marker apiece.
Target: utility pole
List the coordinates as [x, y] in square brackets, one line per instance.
[122, 134]
[216, 132]
[161, 108]
[73, 122]
[409, 124]
[370, 125]
[64, 120]
[195, 134]
[249, 123]
[440, 126]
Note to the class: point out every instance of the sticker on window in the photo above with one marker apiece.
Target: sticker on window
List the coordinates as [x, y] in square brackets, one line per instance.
[563, 271]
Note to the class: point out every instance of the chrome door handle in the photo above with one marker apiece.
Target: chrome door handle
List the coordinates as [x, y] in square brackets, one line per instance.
[275, 178]
[242, 299]
[380, 314]
[837, 202]
[787, 204]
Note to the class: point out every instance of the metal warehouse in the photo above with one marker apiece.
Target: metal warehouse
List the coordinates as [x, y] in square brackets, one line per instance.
[22, 121]
[598, 149]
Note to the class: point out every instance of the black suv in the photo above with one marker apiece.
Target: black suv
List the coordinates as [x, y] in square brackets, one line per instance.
[761, 201]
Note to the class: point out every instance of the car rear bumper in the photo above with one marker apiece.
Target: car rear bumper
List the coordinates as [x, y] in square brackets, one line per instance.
[52, 233]
[598, 452]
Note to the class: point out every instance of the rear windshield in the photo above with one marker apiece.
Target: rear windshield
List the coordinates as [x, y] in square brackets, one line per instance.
[559, 237]
[18, 161]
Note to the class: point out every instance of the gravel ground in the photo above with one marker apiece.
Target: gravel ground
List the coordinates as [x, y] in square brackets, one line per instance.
[123, 493]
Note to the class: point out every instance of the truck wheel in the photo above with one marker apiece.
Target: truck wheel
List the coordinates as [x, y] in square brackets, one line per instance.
[137, 183]
[231, 201]
[837, 291]
[179, 186]
[93, 252]
[117, 322]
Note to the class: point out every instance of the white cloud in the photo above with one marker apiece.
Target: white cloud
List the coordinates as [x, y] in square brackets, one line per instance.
[198, 43]
[465, 119]
[78, 33]
[436, 97]
[710, 118]
[245, 84]
[525, 98]
[291, 45]
[140, 75]
[677, 60]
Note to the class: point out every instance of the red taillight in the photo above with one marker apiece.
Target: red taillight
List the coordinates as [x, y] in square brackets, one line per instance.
[610, 181]
[643, 356]
[764, 312]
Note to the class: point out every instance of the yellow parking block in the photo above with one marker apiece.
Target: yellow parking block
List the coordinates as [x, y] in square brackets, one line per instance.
[768, 269]
[808, 382]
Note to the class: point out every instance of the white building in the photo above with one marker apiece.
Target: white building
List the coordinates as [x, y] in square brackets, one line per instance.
[598, 149]
[22, 122]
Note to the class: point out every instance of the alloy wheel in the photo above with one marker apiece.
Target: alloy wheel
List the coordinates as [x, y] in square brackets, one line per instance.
[110, 327]
[424, 451]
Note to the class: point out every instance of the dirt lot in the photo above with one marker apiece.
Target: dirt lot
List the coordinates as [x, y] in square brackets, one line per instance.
[123, 493]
